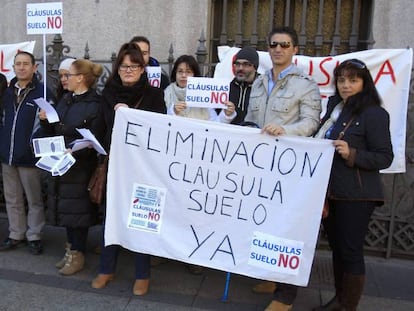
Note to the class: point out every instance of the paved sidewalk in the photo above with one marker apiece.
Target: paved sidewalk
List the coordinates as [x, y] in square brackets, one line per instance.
[30, 282]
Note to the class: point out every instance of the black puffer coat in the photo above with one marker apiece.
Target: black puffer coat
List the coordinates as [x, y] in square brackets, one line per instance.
[68, 196]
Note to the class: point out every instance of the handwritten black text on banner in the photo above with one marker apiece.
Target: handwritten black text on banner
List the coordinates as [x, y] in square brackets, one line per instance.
[217, 195]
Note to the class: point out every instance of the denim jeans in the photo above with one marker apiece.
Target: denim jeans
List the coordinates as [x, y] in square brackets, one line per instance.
[109, 257]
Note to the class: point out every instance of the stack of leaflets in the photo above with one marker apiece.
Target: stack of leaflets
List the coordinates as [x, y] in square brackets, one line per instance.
[55, 158]
[53, 155]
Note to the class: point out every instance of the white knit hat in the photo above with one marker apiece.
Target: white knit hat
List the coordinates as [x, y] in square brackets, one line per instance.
[65, 64]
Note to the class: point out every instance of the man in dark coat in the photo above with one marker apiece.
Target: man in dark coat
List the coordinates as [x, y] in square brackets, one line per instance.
[145, 46]
[21, 179]
[245, 66]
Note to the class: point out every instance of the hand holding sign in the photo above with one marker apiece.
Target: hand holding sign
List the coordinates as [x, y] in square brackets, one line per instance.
[47, 111]
[230, 108]
[179, 107]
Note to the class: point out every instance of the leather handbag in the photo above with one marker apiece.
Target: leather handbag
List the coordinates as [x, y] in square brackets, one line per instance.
[97, 183]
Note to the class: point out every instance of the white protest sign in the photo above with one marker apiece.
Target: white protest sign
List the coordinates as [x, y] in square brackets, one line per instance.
[44, 18]
[390, 69]
[207, 92]
[154, 75]
[7, 53]
[216, 195]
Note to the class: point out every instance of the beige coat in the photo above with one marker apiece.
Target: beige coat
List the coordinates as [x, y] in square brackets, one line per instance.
[294, 103]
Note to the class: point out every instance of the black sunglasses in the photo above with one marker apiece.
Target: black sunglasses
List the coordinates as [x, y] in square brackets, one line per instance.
[283, 44]
[356, 62]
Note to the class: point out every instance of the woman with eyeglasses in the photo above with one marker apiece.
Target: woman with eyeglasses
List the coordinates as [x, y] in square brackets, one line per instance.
[359, 128]
[128, 86]
[186, 66]
[62, 87]
[68, 197]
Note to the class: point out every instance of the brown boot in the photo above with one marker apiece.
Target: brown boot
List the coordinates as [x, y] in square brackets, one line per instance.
[278, 306]
[62, 262]
[102, 280]
[266, 287]
[74, 263]
[141, 287]
[352, 291]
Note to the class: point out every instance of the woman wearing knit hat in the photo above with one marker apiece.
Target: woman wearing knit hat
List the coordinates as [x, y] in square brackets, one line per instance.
[68, 200]
[62, 87]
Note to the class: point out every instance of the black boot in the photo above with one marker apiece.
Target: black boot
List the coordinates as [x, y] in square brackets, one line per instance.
[335, 303]
[352, 291]
[332, 305]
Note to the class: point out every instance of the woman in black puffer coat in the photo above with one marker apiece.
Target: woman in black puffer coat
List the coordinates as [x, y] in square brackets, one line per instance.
[68, 197]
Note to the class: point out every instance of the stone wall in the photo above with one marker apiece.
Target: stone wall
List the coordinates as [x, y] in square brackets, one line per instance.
[393, 24]
[106, 24]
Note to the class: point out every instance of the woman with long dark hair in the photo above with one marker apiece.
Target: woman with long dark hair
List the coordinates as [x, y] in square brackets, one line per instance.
[359, 128]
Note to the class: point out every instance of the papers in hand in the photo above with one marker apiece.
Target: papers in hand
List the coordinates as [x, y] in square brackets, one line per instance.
[88, 140]
[56, 164]
[53, 157]
[49, 146]
[51, 113]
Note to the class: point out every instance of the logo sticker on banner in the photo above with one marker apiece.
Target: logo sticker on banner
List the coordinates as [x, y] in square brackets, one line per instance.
[147, 205]
[275, 254]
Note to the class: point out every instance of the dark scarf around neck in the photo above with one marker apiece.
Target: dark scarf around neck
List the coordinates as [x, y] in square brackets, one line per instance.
[115, 92]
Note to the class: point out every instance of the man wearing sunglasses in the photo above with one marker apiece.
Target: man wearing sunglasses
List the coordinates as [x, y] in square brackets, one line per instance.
[283, 101]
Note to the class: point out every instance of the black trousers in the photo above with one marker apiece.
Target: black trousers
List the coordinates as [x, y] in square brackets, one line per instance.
[346, 227]
[285, 293]
[77, 237]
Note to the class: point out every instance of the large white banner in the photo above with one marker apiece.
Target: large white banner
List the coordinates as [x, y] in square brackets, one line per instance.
[390, 69]
[7, 53]
[216, 195]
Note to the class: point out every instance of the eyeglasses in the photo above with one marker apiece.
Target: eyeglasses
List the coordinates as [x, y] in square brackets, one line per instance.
[185, 72]
[283, 44]
[130, 67]
[242, 64]
[356, 62]
[68, 75]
